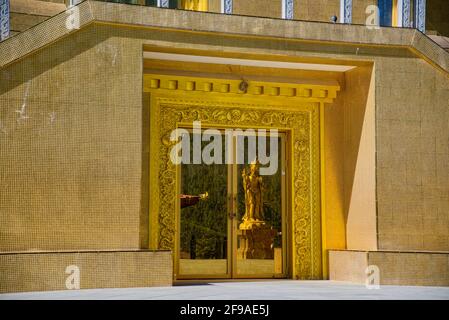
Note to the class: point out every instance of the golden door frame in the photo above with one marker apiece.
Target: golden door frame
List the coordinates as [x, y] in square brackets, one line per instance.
[177, 101]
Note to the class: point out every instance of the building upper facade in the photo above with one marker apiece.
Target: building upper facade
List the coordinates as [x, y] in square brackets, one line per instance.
[80, 82]
[424, 15]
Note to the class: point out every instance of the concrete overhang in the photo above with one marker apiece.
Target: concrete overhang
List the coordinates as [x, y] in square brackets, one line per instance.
[247, 62]
[354, 37]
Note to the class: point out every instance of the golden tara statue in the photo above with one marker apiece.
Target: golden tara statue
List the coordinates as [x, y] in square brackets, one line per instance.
[253, 187]
[255, 235]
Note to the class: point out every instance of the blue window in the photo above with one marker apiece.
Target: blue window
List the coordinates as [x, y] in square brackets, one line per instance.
[385, 13]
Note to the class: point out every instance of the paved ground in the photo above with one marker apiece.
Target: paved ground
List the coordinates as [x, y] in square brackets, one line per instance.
[258, 290]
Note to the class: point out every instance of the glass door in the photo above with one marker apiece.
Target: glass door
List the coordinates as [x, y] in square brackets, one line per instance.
[205, 224]
[233, 221]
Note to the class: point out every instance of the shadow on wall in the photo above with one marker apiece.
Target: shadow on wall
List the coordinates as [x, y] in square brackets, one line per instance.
[360, 161]
[350, 208]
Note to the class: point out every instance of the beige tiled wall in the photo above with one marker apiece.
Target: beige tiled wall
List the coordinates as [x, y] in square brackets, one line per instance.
[359, 9]
[47, 271]
[27, 13]
[314, 10]
[71, 146]
[412, 155]
[262, 8]
[214, 6]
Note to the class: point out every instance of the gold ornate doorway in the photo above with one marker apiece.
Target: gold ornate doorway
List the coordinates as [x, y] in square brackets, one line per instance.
[293, 109]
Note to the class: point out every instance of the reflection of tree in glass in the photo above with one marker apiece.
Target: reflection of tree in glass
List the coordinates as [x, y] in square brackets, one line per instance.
[204, 226]
[205, 223]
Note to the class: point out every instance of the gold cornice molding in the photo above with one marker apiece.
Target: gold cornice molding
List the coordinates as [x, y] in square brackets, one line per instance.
[308, 92]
